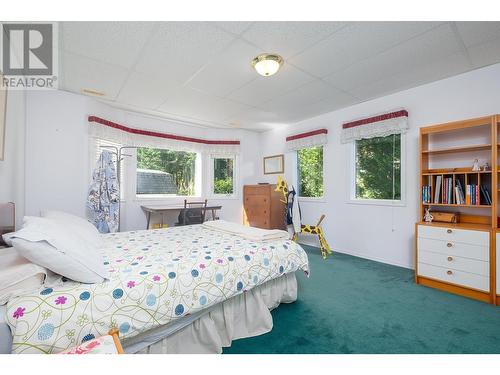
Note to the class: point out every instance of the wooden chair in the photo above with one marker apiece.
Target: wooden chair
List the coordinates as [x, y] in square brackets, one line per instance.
[192, 213]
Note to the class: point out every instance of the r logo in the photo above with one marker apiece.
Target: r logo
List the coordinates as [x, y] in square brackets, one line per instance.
[27, 49]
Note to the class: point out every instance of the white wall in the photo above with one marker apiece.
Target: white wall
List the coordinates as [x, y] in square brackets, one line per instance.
[382, 232]
[12, 167]
[57, 159]
[58, 164]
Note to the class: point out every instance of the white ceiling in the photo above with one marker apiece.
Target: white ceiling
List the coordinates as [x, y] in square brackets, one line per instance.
[200, 71]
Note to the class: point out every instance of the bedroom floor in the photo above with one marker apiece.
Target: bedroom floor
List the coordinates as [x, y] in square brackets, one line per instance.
[354, 305]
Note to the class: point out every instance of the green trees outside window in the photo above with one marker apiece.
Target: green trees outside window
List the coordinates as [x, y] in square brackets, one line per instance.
[223, 175]
[378, 168]
[180, 165]
[310, 172]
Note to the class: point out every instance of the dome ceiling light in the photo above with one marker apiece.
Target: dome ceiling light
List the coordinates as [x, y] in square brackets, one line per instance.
[267, 64]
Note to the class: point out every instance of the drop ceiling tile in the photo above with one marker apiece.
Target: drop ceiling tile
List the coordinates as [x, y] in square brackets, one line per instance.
[234, 27]
[256, 119]
[263, 89]
[117, 43]
[192, 103]
[357, 41]
[252, 116]
[423, 49]
[83, 73]
[427, 72]
[318, 108]
[474, 33]
[231, 70]
[485, 54]
[146, 91]
[289, 38]
[179, 49]
[305, 96]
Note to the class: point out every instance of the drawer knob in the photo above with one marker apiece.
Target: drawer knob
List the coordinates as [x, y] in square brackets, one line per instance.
[449, 231]
[449, 244]
[449, 272]
[450, 259]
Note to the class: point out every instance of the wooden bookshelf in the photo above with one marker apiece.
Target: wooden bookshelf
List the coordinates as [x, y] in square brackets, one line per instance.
[454, 150]
[448, 150]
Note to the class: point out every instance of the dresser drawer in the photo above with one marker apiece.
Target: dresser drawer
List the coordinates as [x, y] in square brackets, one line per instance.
[470, 280]
[454, 263]
[257, 189]
[452, 248]
[473, 237]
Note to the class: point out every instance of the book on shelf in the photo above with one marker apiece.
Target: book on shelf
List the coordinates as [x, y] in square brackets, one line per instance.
[447, 191]
[438, 189]
[473, 193]
[486, 195]
[459, 193]
[426, 194]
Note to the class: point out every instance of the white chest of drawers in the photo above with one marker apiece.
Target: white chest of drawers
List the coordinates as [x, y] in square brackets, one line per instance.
[454, 256]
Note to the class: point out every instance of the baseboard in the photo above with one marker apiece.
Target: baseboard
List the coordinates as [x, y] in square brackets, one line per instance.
[359, 255]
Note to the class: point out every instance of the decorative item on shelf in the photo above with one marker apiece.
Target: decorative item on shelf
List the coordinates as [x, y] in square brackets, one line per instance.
[428, 216]
[446, 217]
[486, 167]
[475, 166]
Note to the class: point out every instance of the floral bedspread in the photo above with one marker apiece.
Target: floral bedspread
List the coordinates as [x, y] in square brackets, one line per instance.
[156, 276]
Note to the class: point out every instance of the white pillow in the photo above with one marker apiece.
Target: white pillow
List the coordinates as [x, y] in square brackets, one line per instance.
[18, 275]
[84, 229]
[56, 247]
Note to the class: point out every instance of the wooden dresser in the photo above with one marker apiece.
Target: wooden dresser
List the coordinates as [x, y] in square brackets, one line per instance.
[262, 207]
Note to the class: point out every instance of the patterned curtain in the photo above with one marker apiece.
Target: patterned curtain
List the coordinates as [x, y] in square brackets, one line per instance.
[376, 126]
[103, 201]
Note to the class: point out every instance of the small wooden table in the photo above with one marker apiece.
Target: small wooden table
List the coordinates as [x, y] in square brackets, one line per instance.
[166, 208]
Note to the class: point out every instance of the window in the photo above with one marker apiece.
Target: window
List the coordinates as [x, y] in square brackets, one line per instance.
[310, 172]
[223, 175]
[161, 172]
[378, 168]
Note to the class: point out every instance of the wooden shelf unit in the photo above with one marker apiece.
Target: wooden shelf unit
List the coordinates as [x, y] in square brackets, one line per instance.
[454, 150]
[439, 160]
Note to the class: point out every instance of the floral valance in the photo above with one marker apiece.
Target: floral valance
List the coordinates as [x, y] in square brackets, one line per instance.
[127, 136]
[375, 126]
[310, 139]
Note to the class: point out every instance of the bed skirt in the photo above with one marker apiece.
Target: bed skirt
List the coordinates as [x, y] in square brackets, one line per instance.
[245, 315]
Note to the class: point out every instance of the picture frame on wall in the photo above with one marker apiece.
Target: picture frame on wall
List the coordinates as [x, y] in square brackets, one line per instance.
[274, 164]
[3, 115]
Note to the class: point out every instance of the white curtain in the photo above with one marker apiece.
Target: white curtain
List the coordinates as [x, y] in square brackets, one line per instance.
[126, 138]
[305, 140]
[376, 126]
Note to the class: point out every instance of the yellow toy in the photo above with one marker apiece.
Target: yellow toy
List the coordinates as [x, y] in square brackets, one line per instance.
[282, 186]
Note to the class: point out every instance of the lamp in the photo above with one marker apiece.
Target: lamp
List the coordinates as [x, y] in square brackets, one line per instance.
[267, 64]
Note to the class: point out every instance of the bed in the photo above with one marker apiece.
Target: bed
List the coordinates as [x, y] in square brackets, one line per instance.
[181, 289]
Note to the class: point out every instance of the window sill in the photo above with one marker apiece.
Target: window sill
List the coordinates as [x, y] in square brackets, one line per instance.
[224, 197]
[377, 202]
[311, 199]
[178, 198]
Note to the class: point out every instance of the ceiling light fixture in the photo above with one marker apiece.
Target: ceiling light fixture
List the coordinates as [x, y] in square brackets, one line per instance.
[267, 64]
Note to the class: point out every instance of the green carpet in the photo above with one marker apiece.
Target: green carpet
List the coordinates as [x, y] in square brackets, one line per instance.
[354, 305]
